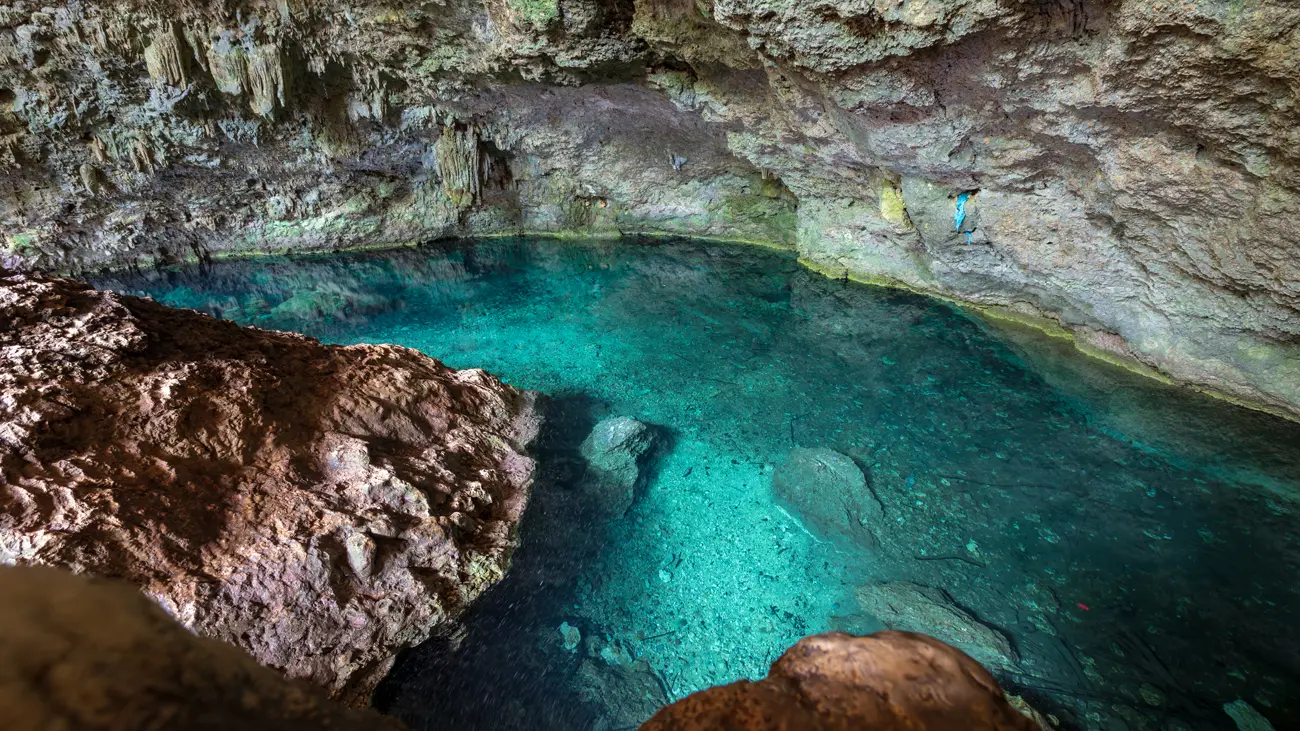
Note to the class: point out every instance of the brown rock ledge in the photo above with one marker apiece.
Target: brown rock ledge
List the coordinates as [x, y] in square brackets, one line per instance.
[321, 507]
[889, 681]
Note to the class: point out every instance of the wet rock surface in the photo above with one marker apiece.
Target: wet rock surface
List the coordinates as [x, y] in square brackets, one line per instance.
[319, 507]
[1125, 171]
[891, 680]
[87, 654]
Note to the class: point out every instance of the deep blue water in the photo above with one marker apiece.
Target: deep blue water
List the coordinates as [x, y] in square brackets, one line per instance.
[1135, 543]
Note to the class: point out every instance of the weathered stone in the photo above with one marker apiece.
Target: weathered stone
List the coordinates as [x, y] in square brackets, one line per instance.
[87, 654]
[1132, 166]
[829, 490]
[913, 608]
[834, 682]
[320, 507]
[617, 452]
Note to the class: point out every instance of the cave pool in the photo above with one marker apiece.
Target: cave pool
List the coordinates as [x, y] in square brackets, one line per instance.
[1134, 543]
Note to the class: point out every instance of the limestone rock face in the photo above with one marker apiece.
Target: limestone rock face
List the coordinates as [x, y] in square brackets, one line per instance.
[834, 682]
[1128, 170]
[320, 507]
[88, 654]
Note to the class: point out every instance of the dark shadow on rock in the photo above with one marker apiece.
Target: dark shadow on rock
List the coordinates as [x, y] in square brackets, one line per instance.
[504, 665]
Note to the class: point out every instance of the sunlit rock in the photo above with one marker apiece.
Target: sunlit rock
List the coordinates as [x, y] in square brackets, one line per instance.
[320, 507]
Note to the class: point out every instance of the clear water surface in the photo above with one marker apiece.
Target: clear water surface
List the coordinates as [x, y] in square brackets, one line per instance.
[1135, 544]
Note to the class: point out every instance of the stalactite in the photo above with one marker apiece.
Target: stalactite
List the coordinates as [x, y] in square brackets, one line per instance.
[90, 178]
[457, 154]
[164, 58]
[141, 158]
[8, 152]
[266, 79]
[229, 66]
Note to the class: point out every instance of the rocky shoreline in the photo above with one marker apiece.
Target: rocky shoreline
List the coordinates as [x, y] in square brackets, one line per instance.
[321, 507]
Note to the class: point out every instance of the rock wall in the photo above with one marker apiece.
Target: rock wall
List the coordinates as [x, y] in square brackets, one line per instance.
[320, 507]
[1121, 172]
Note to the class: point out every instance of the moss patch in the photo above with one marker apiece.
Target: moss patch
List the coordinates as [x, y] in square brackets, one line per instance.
[537, 13]
[892, 207]
[20, 244]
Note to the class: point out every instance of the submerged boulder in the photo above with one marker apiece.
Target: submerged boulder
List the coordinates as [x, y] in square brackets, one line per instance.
[901, 605]
[87, 654]
[618, 451]
[830, 492]
[321, 507]
[890, 681]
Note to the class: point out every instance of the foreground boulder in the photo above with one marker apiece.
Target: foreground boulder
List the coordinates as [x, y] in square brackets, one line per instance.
[891, 681]
[321, 507]
[88, 654]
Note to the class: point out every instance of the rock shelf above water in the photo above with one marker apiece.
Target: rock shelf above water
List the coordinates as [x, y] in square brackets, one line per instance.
[321, 507]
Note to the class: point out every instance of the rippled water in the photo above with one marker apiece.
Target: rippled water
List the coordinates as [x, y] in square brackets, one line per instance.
[1135, 544]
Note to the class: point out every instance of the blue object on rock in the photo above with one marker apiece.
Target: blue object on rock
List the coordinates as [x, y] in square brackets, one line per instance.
[960, 216]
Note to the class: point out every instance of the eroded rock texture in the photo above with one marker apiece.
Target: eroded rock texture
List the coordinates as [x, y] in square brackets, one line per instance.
[88, 654]
[833, 682]
[1126, 168]
[320, 507]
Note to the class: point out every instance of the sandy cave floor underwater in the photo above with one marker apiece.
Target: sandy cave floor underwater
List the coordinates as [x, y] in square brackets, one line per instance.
[1134, 545]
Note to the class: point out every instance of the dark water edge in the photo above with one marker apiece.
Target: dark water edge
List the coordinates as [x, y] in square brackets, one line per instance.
[1134, 542]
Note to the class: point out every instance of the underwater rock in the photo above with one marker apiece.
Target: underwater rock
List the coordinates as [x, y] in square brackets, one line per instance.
[1043, 721]
[627, 693]
[830, 491]
[890, 681]
[1246, 717]
[915, 608]
[571, 636]
[618, 451]
[321, 507]
[87, 654]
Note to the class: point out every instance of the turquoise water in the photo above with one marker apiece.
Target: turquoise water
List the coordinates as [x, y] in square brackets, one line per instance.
[1135, 544]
